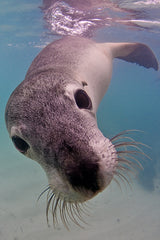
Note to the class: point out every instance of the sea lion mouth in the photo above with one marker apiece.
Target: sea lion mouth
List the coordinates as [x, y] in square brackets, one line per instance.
[68, 209]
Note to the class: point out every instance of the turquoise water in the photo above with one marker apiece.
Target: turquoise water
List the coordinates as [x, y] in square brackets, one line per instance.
[131, 102]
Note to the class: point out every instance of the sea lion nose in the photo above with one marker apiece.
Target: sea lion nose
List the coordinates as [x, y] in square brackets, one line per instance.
[81, 168]
[84, 176]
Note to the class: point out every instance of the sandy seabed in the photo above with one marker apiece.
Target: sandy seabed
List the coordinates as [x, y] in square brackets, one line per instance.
[114, 214]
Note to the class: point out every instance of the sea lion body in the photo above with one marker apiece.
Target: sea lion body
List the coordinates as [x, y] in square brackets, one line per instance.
[51, 115]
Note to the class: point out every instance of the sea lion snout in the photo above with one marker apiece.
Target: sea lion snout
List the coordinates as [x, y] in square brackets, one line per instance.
[86, 168]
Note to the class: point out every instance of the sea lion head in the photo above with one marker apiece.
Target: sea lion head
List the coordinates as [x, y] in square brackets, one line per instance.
[54, 124]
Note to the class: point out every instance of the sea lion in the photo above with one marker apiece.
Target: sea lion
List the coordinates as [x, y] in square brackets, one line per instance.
[51, 118]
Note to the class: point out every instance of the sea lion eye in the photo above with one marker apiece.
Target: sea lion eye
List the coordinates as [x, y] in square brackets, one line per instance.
[82, 99]
[20, 144]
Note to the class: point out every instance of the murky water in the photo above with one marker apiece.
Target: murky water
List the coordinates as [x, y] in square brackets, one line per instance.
[132, 102]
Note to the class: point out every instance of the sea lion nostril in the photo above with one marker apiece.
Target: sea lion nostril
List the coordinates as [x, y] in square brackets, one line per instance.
[20, 144]
[84, 176]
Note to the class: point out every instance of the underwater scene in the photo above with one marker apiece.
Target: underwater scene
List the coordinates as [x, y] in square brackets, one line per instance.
[129, 207]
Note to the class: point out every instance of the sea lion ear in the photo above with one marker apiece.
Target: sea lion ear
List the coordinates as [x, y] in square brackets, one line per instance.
[133, 52]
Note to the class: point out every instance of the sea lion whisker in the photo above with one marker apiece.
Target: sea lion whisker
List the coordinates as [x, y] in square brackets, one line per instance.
[134, 152]
[67, 213]
[126, 170]
[83, 208]
[118, 135]
[44, 191]
[54, 210]
[117, 182]
[79, 210]
[68, 210]
[62, 211]
[133, 161]
[124, 133]
[140, 144]
[118, 139]
[129, 144]
[124, 161]
[73, 212]
[49, 194]
[47, 207]
[71, 215]
[131, 153]
[134, 165]
[123, 178]
[126, 166]
[65, 219]
[72, 209]
[120, 177]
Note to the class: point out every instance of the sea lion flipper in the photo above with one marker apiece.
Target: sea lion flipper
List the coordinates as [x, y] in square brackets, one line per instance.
[133, 52]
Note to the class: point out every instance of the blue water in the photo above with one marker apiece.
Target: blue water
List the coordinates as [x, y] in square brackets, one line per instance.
[131, 102]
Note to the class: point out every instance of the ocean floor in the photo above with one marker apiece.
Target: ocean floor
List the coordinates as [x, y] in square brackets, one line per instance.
[114, 214]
